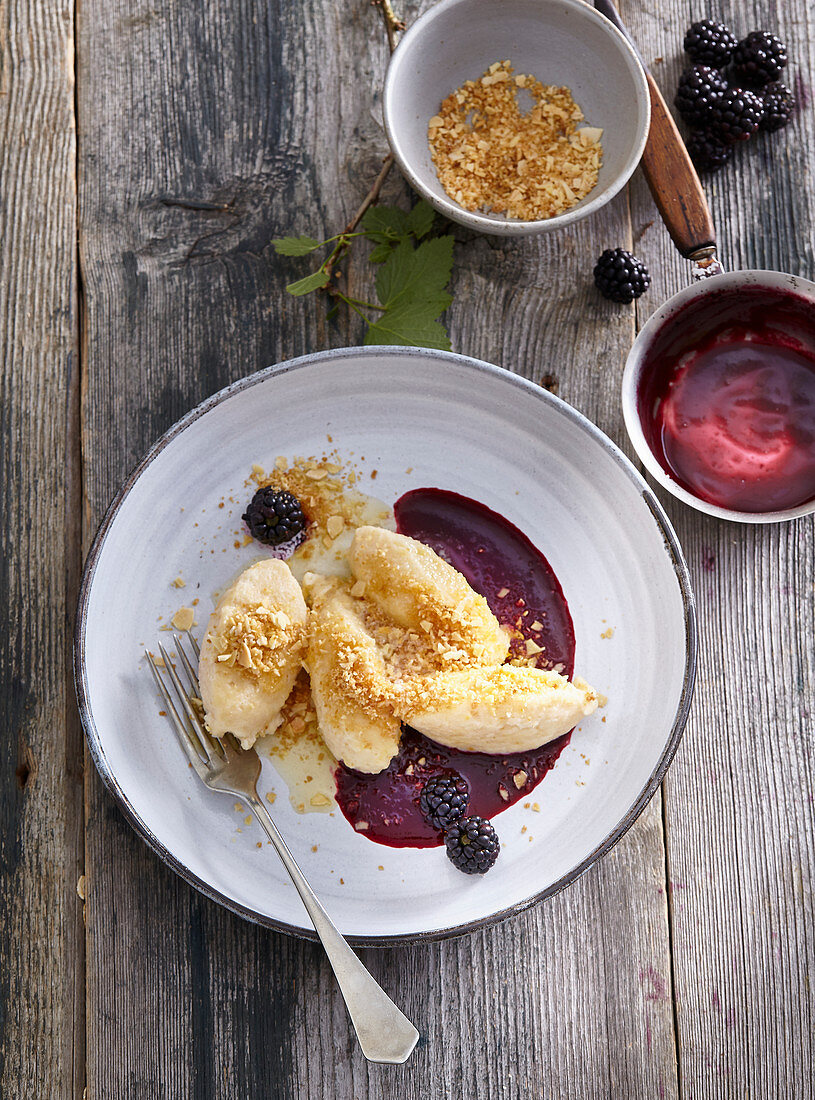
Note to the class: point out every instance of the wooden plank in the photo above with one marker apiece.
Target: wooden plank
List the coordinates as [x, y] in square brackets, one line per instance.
[739, 803]
[41, 956]
[204, 134]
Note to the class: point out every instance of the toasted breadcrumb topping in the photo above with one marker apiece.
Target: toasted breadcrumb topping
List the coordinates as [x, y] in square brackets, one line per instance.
[326, 491]
[490, 155]
[259, 640]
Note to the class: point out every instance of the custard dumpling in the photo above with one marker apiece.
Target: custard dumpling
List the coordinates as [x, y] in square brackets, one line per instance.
[498, 710]
[349, 681]
[252, 652]
[418, 590]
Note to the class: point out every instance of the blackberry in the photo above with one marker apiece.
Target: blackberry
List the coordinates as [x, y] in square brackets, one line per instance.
[274, 516]
[759, 58]
[444, 799]
[707, 151]
[735, 116]
[620, 276]
[698, 90]
[472, 845]
[779, 104]
[710, 43]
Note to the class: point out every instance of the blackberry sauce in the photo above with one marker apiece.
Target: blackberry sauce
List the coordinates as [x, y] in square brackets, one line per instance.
[518, 583]
[727, 399]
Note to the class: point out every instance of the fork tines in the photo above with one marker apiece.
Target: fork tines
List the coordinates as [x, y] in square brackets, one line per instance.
[182, 703]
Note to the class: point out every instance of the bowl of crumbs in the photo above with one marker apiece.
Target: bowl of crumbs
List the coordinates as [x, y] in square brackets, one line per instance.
[514, 117]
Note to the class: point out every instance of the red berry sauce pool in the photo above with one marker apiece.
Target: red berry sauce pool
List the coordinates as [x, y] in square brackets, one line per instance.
[727, 399]
[518, 583]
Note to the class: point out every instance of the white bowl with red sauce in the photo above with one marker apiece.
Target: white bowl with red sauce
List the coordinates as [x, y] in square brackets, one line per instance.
[719, 396]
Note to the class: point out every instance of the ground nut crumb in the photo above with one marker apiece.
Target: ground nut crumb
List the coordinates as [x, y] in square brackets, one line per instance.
[493, 155]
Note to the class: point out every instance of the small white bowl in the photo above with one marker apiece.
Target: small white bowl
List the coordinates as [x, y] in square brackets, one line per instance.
[677, 312]
[560, 42]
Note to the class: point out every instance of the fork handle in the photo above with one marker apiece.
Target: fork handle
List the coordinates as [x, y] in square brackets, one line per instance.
[385, 1034]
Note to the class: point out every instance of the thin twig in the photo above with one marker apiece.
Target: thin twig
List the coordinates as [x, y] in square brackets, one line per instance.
[342, 244]
[392, 22]
[372, 195]
[392, 27]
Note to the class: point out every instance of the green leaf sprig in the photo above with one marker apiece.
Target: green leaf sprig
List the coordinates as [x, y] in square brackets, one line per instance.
[414, 269]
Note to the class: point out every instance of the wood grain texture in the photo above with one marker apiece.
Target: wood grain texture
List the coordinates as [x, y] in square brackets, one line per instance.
[41, 980]
[739, 797]
[203, 134]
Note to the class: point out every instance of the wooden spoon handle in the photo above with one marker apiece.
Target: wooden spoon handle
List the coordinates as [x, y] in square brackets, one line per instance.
[674, 182]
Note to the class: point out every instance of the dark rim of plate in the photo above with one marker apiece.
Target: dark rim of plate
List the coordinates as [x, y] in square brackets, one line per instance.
[672, 548]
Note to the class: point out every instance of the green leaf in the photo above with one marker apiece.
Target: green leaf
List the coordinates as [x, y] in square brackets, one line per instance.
[295, 246]
[420, 272]
[420, 219]
[410, 323]
[380, 253]
[314, 281]
[382, 224]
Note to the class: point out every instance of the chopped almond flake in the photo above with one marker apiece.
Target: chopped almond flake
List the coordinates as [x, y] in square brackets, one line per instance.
[179, 582]
[532, 647]
[503, 592]
[270, 796]
[316, 475]
[536, 625]
[519, 778]
[608, 633]
[319, 800]
[335, 526]
[358, 589]
[183, 619]
[536, 807]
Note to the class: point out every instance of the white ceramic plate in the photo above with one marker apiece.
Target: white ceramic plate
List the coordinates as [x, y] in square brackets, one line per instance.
[459, 424]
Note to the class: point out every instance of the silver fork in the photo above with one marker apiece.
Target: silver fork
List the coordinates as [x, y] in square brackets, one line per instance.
[385, 1034]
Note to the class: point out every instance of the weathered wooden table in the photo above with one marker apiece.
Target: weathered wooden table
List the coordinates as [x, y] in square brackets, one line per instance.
[150, 150]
